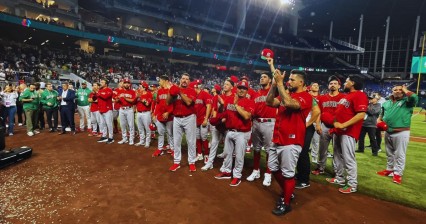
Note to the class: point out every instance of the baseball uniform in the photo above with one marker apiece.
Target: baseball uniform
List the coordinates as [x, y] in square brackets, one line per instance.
[126, 114]
[143, 117]
[104, 97]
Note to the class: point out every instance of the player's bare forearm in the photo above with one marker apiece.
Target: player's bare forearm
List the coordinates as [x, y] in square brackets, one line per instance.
[245, 114]
[188, 101]
[314, 117]
[358, 117]
[286, 99]
[208, 111]
[270, 98]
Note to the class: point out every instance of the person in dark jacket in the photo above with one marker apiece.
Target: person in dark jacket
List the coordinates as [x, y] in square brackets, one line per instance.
[369, 126]
[67, 106]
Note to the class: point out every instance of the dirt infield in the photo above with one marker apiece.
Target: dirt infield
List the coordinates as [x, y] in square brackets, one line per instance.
[74, 179]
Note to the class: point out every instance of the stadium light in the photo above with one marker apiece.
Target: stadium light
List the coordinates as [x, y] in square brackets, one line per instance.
[287, 2]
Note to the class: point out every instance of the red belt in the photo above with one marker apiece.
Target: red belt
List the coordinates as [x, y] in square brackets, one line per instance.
[262, 120]
[236, 130]
[125, 108]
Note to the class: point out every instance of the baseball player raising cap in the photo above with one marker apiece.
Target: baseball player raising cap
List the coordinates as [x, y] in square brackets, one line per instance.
[289, 132]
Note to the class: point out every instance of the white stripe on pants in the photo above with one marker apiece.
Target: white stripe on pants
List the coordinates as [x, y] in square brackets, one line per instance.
[84, 112]
[95, 120]
[234, 142]
[127, 118]
[315, 144]
[143, 120]
[106, 124]
[188, 126]
[344, 159]
[162, 129]
[396, 150]
[214, 144]
[284, 158]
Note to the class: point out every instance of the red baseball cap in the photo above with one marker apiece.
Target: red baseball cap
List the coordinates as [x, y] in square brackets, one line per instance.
[217, 88]
[244, 77]
[193, 84]
[126, 80]
[144, 84]
[234, 78]
[243, 84]
[382, 126]
[267, 53]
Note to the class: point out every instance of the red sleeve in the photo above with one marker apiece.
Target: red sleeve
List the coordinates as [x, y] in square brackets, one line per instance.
[191, 94]
[305, 101]
[105, 94]
[249, 106]
[360, 102]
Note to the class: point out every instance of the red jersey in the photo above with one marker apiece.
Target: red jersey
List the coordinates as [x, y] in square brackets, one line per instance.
[122, 94]
[116, 104]
[349, 106]
[161, 106]
[104, 99]
[140, 105]
[215, 103]
[201, 101]
[94, 105]
[251, 94]
[290, 125]
[234, 119]
[261, 109]
[180, 108]
[329, 103]
[227, 99]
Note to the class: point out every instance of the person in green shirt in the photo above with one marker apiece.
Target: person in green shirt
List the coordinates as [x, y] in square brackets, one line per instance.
[397, 112]
[50, 105]
[31, 101]
[83, 106]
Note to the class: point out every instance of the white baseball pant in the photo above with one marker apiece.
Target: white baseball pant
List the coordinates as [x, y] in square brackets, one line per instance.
[162, 129]
[143, 120]
[84, 112]
[127, 118]
[95, 120]
[284, 158]
[344, 159]
[106, 124]
[234, 142]
[396, 150]
[188, 126]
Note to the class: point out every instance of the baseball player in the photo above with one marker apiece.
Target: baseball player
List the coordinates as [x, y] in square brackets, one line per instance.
[289, 132]
[251, 94]
[397, 112]
[126, 97]
[143, 116]
[203, 103]
[83, 108]
[154, 90]
[184, 121]
[263, 123]
[163, 117]
[349, 116]
[328, 104]
[238, 115]
[95, 119]
[223, 100]
[116, 105]
[104, 97]
[217, 131]
[314, 91]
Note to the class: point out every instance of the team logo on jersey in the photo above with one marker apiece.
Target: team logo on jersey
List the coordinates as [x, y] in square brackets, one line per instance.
[329, 104]
[162, 97]
[345, 103]
[231, 107]
[260, 99]
[199, 101]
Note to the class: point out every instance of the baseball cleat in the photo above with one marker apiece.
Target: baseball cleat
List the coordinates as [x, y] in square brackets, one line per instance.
[139, 144]
[200, 157]
[235, 182]
[254, 175]
[302, 185]
[397, 179]
[317, 172]
[347, 189]
[192, 167]
[282, 209]
[207, 167]
[123, 141]
[158, 152]
[103, 139]
[110, 141]
[174, 167]
[335, 181]
[223, 175]
[385, 173]
[267, 180]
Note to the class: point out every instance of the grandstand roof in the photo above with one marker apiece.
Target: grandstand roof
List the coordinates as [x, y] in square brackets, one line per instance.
[317, 14]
